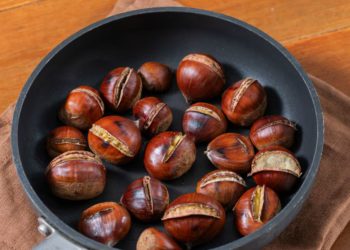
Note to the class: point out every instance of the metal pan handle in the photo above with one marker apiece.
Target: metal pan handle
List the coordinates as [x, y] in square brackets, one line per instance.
[54, 240]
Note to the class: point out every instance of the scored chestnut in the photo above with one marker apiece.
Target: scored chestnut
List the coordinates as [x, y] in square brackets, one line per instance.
[272, 130]
[204, 122]
[146, 198]
[155, 76]
[121, 88]
[194, 219]
[276, 167]
[169, 155]
[105, 222]
[153, 116]
[223, 185]
[231, 151]
[200, 77]
[76, 175]
[153, 239]
[83, 106]
[63, 139]
[115, 139]
[244, 102]
[255, 208]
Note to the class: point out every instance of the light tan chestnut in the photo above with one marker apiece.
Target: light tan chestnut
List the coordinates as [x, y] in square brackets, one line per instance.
[244, 102]
[76, 175]
[223, 185]
[115, 139]
[204, 122]
[153, 239]
[231, 151]
[277, 168]
[169, 155]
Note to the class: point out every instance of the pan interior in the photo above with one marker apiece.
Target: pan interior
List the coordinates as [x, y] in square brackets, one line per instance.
[165, 37]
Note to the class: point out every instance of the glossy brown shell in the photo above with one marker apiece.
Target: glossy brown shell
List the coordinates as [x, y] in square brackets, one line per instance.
[153, 239]
[155, 76]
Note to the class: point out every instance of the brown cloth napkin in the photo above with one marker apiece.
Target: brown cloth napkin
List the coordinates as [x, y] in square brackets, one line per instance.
[320, 222]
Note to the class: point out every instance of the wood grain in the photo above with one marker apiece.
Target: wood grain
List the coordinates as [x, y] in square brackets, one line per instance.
[11, 4]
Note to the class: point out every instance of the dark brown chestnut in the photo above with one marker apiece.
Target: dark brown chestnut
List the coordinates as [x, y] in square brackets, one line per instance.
[277, 168]
[146, 198]
[194, 218]
[153, 116]
[200, 77]
[63, 139]
[169, 155]
[272, 130]
[224, 186]
[121, 88]
[155, 76]
[106, 222]
[153, 239]
[231, 151]
[83, 106]
[204, 122]
[244, 102]
[115, 139]
[255, 208]
[76, 175]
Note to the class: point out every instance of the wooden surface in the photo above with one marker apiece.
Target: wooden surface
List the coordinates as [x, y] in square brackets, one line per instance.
[316, 32]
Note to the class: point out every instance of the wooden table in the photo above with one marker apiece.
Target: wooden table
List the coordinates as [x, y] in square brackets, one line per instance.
[317, 33]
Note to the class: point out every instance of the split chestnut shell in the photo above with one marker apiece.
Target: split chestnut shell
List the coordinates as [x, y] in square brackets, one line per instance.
[194, 218]
[153, 239]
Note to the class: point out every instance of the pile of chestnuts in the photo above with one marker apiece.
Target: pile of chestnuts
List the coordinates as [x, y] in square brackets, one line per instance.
[89, 138]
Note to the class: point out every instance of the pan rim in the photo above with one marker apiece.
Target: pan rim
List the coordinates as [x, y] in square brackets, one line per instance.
[287, 213]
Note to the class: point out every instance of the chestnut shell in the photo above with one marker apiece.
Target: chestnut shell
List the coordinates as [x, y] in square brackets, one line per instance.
[155, 76]
[153, 239]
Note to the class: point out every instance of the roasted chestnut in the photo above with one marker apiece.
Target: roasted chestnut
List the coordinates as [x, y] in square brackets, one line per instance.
[244, 102]
[153, 239]
[276, 167]
[83, 106]
[146, 198]
[115, 139]
[169, 155]
[121, 88]
[76, 175]
[231, 151]
[155, 76]
[106, 222]
[204, 122]
[200, 77]
[273, 130]
[223, 185]
[255, 208]
[63, 139]
[153, 116]
[194, 218]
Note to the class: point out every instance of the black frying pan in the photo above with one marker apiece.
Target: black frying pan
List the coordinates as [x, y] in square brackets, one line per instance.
[164, 35]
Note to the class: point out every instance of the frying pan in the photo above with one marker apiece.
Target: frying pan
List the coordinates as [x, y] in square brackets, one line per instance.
[165, 35]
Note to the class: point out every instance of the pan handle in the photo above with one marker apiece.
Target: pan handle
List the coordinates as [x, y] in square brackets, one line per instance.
[54, 240]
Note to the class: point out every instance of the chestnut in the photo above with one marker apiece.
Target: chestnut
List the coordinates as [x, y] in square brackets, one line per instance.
[231, 151]
[169, 155]
[276, 167]
[115, 139]
[65, 138]
[200, 77]
[244, 102]
[83, 106]
[76, 175]
[153, 116]
[194, 218]
[223, 185]
[146, 198]
[255, 208]
[155, 76]
[121, 88]
[272, 130]
[106, 222]
[153, 239]
[204, 122]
